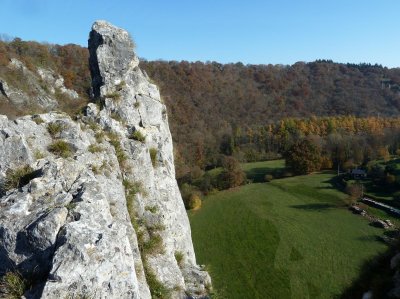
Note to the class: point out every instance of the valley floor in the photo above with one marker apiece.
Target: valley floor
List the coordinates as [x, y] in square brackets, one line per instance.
[289, 238]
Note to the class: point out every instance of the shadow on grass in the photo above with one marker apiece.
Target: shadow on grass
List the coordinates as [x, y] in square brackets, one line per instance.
[319, 207]
[257, 175]
[375, 275]
[335, 182]
[370, 239]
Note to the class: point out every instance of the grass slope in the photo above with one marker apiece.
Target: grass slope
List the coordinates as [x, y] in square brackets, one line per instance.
[291, 238]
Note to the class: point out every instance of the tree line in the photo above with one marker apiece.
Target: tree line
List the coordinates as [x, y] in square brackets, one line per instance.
[250, 112]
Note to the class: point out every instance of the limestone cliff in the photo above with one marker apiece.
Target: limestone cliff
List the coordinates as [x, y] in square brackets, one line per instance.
[91, 206]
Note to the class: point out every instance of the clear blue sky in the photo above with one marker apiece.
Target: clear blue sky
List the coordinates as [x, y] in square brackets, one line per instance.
[250, 31]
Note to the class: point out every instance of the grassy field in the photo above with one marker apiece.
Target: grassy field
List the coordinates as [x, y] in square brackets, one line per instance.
[290, 238]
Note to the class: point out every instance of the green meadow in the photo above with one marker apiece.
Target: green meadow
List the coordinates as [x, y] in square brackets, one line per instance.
[289, 238]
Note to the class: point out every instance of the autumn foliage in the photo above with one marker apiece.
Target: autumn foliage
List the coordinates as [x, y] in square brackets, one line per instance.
[303, 157]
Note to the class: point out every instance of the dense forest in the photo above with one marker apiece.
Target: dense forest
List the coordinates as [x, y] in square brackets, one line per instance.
[210, 102]
[238, 110]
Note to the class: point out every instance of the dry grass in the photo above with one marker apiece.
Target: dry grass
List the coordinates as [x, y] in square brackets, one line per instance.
[16, 178]
[61, 148]
[12, 286]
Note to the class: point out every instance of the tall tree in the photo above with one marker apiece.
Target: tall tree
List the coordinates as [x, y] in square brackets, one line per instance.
[303, 157]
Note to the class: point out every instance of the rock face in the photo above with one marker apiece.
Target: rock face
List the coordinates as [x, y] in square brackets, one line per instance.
[91, 206]
[42, 88]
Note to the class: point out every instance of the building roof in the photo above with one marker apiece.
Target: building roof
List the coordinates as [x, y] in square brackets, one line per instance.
[358, 171]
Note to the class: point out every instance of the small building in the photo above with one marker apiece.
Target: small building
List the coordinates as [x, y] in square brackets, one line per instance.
[358, 173]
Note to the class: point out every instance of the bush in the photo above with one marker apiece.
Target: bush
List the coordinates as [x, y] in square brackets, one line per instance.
[19, 177]
[137, 135]
[194, 202]
[205, 183]
[61, 148]
[13, 286]
[153, 156]
[55, 128]
[232, 174]
[354, 190]
[390, 179]
[326, 163]
[268, 177]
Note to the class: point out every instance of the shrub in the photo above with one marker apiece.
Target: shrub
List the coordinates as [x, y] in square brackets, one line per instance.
[13, 286]
[186, 191]
[232, 175]
[137, 135]
[136, 104]
[194, 202]
[390, 179]
[206, 183]
[55, 128]
[268, 177]
[153, 156]
[60, 148]
[326, 163]
[19, 177]
[354, 190]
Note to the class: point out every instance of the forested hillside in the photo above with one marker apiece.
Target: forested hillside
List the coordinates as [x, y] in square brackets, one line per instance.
[211, 104]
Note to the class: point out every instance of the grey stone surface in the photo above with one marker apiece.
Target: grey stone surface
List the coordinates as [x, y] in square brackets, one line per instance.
[69, 226]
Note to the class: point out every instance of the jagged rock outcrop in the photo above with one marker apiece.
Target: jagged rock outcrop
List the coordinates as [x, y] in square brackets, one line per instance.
[41, 88]
[91, 206]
